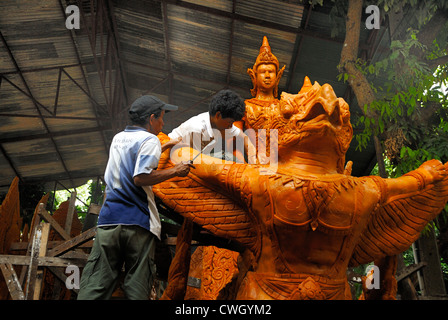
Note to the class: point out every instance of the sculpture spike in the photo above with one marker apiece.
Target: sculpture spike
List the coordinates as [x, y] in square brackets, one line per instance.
[306, 85]
[265, 45]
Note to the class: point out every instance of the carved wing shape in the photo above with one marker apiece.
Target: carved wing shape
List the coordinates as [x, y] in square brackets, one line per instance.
[398, 223]
[211, 207]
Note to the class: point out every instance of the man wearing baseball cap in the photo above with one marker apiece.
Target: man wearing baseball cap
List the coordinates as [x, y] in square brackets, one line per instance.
[129, 221]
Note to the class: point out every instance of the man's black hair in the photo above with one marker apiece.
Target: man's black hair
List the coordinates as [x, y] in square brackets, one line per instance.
[229, 103]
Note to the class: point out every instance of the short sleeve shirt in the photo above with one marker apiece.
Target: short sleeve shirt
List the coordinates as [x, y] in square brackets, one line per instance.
[133, 151]
[201, 126]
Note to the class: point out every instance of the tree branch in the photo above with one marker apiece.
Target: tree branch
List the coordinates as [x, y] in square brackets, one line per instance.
[358, 82]
[437, 62]
[361, 87]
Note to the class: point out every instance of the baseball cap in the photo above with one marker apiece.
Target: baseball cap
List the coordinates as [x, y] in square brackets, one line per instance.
[146, 105]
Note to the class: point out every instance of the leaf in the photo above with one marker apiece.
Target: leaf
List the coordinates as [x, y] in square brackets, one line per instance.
[381, 124]
[395, 100]
[403, 97]
[403, 152]
[396, 44]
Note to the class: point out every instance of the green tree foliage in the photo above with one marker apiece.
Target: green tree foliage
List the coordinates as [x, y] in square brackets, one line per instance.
[91, 192]
[411, 106]
[411, 90]
[409, 112]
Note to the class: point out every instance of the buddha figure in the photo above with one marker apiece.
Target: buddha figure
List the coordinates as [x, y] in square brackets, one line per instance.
[265, 75]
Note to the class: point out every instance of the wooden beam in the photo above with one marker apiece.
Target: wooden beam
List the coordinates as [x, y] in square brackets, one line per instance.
[36, 106]
[70, 212]
[56, 134]
[11, 164]
[119, 61]
[94, 208]
[38, 249]
[232, 36]
[252, 20]
[46, 216]
[20, 246]
[72, 243]
[41, 261]
[407, 271]
[42, 252]
[14, 287]
[166, 39]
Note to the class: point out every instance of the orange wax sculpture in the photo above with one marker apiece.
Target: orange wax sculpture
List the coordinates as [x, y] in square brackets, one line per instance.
[304, 220]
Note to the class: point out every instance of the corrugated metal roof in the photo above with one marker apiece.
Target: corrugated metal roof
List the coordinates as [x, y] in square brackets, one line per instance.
[64, 93]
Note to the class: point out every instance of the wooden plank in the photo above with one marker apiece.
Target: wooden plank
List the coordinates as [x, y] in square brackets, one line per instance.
[12, 281]
[32, 268]
[21, 246]
[72, 243]
[48, 218]
[15, 260]
[42, 253]
[70, 212]
[94, 208]
[407, 271]
[24, 270]
[42, 261]
[39, 249]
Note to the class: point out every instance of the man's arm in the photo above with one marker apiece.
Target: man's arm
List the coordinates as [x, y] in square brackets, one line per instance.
[158, 176]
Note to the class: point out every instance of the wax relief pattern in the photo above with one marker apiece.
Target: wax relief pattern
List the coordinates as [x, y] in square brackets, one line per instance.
[214, 268]
[219, 267]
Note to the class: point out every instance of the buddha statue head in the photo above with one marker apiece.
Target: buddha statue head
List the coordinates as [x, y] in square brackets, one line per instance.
[266, 73]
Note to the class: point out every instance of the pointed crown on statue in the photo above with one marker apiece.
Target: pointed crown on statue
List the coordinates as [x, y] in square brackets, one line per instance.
[266, 56]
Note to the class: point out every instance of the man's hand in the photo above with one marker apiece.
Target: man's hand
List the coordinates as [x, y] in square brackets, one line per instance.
[157, 176]
[183, 168]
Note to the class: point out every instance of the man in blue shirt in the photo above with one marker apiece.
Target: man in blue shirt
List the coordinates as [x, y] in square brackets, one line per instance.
[129, 220]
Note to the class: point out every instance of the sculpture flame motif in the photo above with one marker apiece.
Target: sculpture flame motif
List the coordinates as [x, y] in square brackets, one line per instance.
[306, 223]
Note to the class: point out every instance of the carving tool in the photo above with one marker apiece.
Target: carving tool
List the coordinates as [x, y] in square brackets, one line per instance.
[207, 148]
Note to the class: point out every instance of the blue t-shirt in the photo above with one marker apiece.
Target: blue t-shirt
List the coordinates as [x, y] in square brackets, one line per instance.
[133, 151]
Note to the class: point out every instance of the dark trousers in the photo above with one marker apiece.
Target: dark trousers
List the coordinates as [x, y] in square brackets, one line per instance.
[114, 246]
